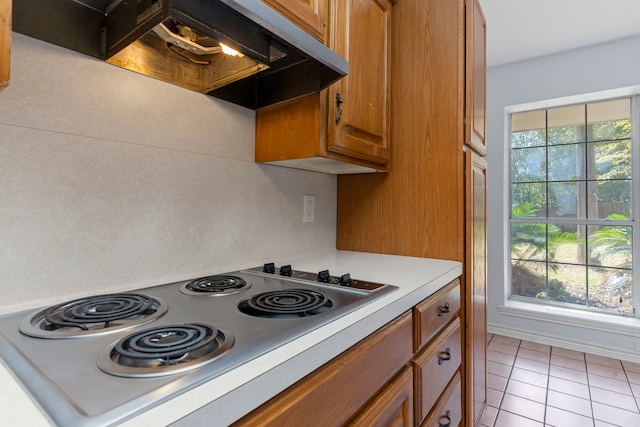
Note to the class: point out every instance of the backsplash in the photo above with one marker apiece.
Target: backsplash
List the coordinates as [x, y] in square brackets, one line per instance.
[111, 181]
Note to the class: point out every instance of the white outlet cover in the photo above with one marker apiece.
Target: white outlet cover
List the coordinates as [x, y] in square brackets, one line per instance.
[309, 208]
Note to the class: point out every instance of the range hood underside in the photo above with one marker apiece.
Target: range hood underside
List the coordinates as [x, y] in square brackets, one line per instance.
[244, 81]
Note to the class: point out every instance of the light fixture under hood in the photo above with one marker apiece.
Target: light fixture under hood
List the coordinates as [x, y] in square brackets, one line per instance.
[179, 41]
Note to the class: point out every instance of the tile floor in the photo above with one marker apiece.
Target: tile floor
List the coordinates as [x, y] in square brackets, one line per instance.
[535, 385]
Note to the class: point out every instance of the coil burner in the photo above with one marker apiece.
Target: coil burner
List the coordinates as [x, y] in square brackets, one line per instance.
[287, 303]
[215, 285]
[165, 350]
[93, 315]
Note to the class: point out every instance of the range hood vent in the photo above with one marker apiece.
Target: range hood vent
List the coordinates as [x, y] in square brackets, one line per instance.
[178, 41]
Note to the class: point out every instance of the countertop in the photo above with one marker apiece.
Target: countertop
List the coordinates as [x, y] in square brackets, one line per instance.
[235, 393]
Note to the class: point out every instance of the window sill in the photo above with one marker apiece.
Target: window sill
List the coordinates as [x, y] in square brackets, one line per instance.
[565, 316]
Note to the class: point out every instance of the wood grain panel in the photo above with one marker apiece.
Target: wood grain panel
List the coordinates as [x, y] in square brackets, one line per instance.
[306, 14]
[360, 32]
[476, 63]
[5, 42]
[434, 313]
[333, 394]
[476, 283]
[360, 126]
[432, 373]
[417, 209]
[449, 407]
[392, 407]
[279, 125]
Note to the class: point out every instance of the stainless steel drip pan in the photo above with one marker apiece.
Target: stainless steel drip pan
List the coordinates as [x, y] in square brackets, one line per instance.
[62, 374]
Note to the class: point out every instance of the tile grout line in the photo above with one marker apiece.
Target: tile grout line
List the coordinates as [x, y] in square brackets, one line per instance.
[546, 394]
[513, 366]
[586, 370]
[630, 387]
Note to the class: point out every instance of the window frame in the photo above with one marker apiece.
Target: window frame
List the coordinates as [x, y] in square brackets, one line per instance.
[632, 92]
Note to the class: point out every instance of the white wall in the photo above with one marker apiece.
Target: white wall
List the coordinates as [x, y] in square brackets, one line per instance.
[111, 181]
[602, 67]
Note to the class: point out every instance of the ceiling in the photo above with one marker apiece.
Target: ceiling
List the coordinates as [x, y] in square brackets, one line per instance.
[524, 29]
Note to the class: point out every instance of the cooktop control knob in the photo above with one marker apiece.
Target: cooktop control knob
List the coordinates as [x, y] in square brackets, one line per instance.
[286, 270]
[269, 268]
[324, 276]
[345, 280]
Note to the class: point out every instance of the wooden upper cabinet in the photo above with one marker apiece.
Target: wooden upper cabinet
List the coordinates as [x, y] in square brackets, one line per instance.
[345, 128]
[475, 130]
[359, 103]
[5, 42]
[306, 14]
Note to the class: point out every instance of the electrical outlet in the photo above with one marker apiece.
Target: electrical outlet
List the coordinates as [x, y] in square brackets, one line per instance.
[309, 208]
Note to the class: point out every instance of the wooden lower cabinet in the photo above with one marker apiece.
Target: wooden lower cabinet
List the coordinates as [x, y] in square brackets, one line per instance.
[392, 407]
[335, 394]
[383, 380]
[434, 313]
[434, 367]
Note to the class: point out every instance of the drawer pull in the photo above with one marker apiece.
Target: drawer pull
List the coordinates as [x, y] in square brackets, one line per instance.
[445, 355]
[448, 417]
[444, 310]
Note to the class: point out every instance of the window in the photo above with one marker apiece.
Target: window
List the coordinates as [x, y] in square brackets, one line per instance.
[572, 219]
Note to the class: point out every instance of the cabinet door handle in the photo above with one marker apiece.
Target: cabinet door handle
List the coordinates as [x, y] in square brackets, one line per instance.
[444, 310]
[339, 103]
[448, 421]
[445, 355]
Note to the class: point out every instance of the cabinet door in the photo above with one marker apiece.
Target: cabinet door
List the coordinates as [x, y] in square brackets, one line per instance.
[476, 280]
[5, 42]
[475, 120]
[392, 407]
[359, 103]
[307, 14]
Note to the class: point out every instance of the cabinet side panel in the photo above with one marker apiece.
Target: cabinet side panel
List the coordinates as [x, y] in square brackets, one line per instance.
[475, 278]
[417, 209]
[289, 130]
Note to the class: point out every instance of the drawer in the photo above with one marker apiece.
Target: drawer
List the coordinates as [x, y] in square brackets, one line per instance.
[448, 410]
[434, 367]
[434, 313]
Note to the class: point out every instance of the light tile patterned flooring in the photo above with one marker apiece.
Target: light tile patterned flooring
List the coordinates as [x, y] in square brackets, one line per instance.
[535, 385]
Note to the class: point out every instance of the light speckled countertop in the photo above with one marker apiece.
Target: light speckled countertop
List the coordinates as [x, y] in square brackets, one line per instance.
[235, 393]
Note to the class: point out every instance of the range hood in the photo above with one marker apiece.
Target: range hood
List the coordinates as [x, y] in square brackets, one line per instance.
[179, 41]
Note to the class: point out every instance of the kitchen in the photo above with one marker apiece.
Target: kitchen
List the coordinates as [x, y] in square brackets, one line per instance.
[144, 183]
[148, 178]
[134, 194]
